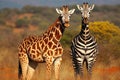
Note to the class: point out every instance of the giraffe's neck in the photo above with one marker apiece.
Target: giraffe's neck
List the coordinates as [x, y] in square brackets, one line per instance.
[56, 30]
[85, 33]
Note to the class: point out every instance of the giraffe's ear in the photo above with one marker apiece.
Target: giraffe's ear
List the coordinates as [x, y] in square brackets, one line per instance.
[92, 7]
[58, 11]
[80, 8]
[71, 11]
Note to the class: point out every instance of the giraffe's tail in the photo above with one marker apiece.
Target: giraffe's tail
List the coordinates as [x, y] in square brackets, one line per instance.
[19, 70]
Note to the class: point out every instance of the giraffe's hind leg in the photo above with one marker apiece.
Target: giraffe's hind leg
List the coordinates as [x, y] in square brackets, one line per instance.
[57, 64]
[31, 69]
[23, 59]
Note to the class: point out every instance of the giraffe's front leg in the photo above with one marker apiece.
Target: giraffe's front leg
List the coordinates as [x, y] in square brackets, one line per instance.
[49, 62]
[57, 64]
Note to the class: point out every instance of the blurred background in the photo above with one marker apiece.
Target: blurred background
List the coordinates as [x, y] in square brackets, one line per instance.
[20, 18]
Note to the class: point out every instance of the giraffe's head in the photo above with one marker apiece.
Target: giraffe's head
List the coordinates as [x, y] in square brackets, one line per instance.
[65, 15]
[85, 11]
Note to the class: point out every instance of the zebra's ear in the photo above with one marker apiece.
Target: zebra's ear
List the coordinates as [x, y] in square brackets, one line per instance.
[80, 8]
[58, 11]
[71, 11]
[91, 7]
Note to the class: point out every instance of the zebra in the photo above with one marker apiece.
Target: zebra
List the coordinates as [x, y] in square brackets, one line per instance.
[84, 45]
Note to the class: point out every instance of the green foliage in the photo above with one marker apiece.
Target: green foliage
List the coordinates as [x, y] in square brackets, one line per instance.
[104, 31]
[21, 23]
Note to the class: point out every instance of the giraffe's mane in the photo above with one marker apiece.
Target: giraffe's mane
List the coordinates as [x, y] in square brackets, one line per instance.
[55, 24]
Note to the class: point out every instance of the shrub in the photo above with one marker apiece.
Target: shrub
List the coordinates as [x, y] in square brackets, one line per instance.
[21, 23]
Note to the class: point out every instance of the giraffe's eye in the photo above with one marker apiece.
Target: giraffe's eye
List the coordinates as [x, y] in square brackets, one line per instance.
[89, 12]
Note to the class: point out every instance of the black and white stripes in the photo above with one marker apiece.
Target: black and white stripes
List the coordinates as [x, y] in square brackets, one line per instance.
[84, 49]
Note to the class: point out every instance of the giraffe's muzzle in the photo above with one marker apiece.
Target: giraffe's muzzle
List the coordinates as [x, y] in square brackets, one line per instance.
[66, 24]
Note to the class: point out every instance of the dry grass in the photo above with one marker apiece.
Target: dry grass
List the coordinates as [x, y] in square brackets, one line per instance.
[101, 71]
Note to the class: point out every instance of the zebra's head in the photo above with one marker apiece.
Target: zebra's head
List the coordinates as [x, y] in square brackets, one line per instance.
[65, 14]
[85, 11]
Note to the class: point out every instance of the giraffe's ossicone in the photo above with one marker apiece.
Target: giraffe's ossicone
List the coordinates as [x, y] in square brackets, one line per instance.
[44, 48]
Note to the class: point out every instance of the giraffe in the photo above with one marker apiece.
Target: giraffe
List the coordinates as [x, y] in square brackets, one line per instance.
[45, 48]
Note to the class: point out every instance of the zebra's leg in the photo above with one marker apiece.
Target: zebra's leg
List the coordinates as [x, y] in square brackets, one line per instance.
[80, 62]
[57, 64]
[90, 63]
[75, 62]
[23, 58]
[76, 67]
[31, 69]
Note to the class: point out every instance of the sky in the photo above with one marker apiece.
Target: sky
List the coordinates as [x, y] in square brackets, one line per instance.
[52, 3]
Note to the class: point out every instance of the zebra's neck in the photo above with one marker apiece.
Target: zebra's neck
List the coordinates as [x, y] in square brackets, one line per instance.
[85, 33]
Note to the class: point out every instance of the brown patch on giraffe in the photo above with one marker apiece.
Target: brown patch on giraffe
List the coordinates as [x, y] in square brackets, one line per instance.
[20, 48]
[34, 46]
[57, 34]
[50, 44]
[38, 53]
[55, 41]
[33, 56]
[51, 36]
[59, 45]
[48, 53]
[23, 50]
[46, 40]
[53, 29]
[54, 46]
[42, 46]
[60, 51]
[38, 45]
[20, 55]
[40, 42]
[28, 42]
[23, 44]
[51, 53]
[56, 52]
[32, 51]
[44, 36]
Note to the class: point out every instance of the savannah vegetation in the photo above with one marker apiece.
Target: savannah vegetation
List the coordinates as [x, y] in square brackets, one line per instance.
[16, 24]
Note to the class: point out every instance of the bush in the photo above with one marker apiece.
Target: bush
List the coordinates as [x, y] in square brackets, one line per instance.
[21, 23]
[104, 31]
